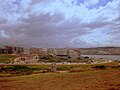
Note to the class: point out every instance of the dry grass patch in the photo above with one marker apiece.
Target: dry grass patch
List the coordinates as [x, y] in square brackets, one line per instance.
[89, 80]
[83, 78]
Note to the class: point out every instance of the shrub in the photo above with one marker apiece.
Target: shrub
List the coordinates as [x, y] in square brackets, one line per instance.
[116, 67]
[86, 57]
[99, 67]
[17, 69]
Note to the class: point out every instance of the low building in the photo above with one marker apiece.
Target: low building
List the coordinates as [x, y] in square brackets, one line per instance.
[3, 50]
[27, 59]
[34, 51]
[74, 53]
[10, 49]
[44, 51]
[62, 51]
[52, 52]
[26, 50]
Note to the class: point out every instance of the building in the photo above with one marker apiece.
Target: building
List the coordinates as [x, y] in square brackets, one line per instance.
[34, 51]
[74, 53]
[3, 50]
[52, 52]
[10, 49]
[27, 59]
[18, 50]
[44, 51]
[62, 52]
[26, 50]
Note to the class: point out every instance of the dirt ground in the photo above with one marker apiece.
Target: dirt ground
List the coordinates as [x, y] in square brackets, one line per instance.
[91, 80]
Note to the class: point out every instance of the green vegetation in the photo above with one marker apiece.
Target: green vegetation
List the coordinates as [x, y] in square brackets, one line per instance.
[48, 58]
[45, 68]
[100, 60]
[16, 70]
[99, 67]
[76, 77]
[90, 80]
[4, 58]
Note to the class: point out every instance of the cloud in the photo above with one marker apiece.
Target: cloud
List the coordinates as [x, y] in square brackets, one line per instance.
[60, 23]
[89, 3]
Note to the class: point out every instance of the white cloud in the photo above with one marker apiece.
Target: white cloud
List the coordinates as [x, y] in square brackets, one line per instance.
[96, 37]
[3, 34]
[89, 3]
[12, 10]
[72, 11]
[60, 22]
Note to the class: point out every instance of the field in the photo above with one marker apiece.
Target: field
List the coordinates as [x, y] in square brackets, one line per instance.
[4, 58]
[73, 77]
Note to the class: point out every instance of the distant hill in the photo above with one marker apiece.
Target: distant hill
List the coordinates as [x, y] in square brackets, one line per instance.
[101, 51]
[101, 47]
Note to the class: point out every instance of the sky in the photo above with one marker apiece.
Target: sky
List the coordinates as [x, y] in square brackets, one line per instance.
[60, 23]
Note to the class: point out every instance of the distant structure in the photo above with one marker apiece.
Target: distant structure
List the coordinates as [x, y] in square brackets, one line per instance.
[53, 67]
[31, 54]
[101, 51]
[3, 50]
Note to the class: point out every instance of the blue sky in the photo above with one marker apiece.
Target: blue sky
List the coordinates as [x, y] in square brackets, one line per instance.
[60, 23]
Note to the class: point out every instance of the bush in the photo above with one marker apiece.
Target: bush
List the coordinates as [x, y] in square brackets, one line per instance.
[99, 67]
[86, 57]
[116, 67]
[17, 69]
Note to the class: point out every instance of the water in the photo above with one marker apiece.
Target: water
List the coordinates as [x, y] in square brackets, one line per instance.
[108, 57]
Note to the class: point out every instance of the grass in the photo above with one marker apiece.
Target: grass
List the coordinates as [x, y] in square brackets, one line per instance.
[6, 58]
[72, 68]
[77, 77]
[83, 77]
[90, 80]
[21, 69]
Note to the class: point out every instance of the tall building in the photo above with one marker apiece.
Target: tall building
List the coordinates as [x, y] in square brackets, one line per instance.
[74, 53]
[18, 50]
